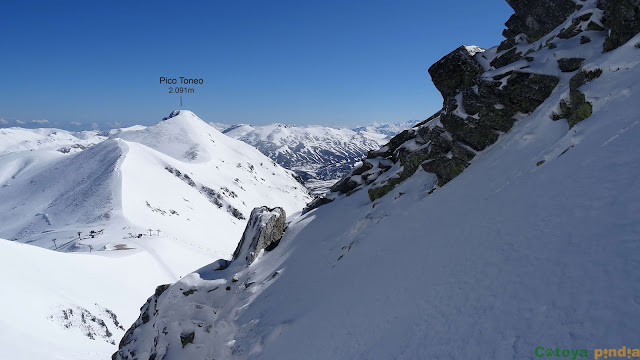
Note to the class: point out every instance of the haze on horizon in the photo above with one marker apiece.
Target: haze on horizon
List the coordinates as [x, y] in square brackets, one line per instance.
[80, 65]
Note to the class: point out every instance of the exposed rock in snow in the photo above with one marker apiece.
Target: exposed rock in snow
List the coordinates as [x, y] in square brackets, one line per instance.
[478, 106]
[263, 232]
[622, 17]
[536, 18]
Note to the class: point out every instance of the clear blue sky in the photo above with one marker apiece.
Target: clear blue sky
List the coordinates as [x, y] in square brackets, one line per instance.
[300, 62]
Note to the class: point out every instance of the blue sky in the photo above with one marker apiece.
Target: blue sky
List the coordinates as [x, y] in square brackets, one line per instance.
[340, 63]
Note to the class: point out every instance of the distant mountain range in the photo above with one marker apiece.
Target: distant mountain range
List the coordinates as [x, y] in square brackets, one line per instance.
[320, 155]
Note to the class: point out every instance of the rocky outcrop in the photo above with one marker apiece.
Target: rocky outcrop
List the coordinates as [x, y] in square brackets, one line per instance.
[536, 18]
[456, 71]
[476, 109]
[147, 311]
[478, 106]
[622, 17]
[570, 64]
[173, 114]
[263, 232]
[577, 108]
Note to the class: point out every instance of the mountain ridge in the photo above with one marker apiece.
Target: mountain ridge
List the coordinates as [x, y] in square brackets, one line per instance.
[320, 155]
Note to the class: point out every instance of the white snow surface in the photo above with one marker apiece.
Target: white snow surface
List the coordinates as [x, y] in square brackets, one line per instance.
[40, 284]
[507, 257]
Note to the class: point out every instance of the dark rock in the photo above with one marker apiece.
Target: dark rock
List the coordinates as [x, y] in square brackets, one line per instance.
[569, 32]
[585, 39]
[570, 64]
[189, 292]
[147, 311]
[389, 148]
[584, 77]
[174, 113]
[418, 125]
[506, 45]
[471, 102]
[469, 131]
[502, 76]
[455, 72]
[400, 139]
[527, 91]
[187, 338]
[264, 228]
[344, 185]
[316, 203]
[445, 168]
[578, 108]
[366, 166]
[378, 192]
[161, 289]
[497, 119]
[459, 152]
[592, 26]
[623, 19]
[581, 108]
[507, 58]
[536, 18]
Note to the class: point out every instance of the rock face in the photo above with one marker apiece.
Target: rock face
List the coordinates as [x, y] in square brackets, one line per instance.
[623, 19]
[147, 311]
[484, 93]
[456, 71]
[536, 18]
[264, 231]
[477, 108]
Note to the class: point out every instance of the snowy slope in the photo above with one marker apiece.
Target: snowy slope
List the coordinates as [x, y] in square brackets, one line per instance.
[319, 154]
[510, 255]
[53, 303]
[148, 203]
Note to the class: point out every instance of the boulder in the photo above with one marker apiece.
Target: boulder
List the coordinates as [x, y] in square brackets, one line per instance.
[570, 64]
[457, 71]
[264, 231]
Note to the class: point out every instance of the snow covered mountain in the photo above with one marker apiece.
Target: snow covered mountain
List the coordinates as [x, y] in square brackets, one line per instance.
[166, 197]
[506, 223]
[320, 155]
[19, 139]
[179, 176]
